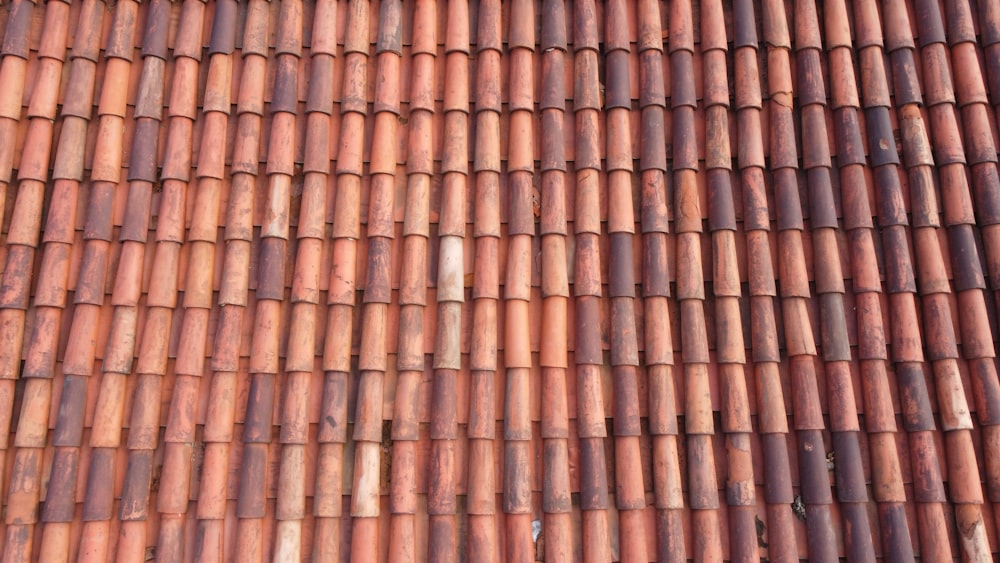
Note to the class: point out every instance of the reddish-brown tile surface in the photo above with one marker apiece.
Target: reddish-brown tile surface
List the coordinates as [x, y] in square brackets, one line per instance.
[428, 281]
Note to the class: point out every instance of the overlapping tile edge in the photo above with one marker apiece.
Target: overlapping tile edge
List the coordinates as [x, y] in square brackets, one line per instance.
[464, 247]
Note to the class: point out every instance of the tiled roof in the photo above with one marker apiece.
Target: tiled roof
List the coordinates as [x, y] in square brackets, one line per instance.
[499, 281]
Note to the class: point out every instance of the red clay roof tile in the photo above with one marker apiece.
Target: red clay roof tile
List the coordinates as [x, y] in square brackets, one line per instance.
[410, 424]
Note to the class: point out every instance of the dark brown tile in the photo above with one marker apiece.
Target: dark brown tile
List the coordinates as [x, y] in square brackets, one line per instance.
[713, 29]
[987, 398]
[745, 25]
[15, 41]
[682, 91]
[99, 495]
[930, 27]
[252, 490]
[965, 259]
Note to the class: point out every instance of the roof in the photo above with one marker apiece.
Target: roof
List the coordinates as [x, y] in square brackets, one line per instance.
[533, 280]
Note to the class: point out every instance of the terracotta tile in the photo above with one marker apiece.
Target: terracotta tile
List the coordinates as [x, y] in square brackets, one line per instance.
[46, 89]
[967, 269]
[223, 38]
[979, 141]
[142, 161]
[718, 152]
[899, 270]
[37, 147]
[154, 39]
[682, 92]
[874, 85]
[990, 22]
[745, 24]
[816, 151]
[867, 31]
[992, 70]
[135, 495]
[937, 79]
[989, 444]
[13, 70]
[188, 41]
[969, 85]
[843, 82]
[930, 27]
[16, 38]
[251, 497]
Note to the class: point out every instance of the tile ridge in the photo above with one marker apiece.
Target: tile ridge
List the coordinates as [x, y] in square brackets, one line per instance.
[451, 284]
[266, 340]
[977, 347]
[486, 207]
[486, 291]
[25, 226]
[772, 408]
[703, 495]
[120, 348]
[57, 237]
[557, 502]
[880, 425]
[411, 360]
[764, 346]
[226, 365]
[658, 343]
[727, 290]
[50, 294]
[341, 296]
[872, 354]
[15, 51]
[13, 74]
[984, 175]
[517, 355]
[90, 294]
[795, 293]
[630, 497]
[154, 346]
[907, 353]
[982, 156]
[23, 236]
[311, 233]
[829, 277]
[588, 349]
[179, 439]
[443, 484]
[372, 361]
[517, 358]
[958, 199]
[60, 501]
[300, 357]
